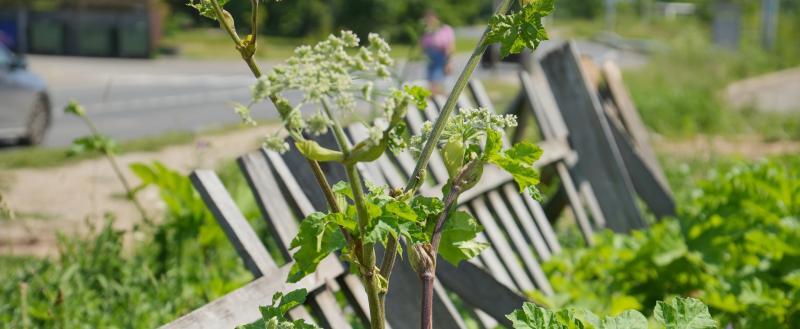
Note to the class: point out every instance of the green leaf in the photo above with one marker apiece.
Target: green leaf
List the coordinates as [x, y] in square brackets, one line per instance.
[420, 95]
[684, 313]
[426, 206]
[453, 155]
[531, 316]
[522, 29]
[312, 150]
[93, 143]
[343, 188]
[319, 235]
[75, 109]
[627, 320]
[518, 161]
[274, 315]
[458, 238]
[205, 7]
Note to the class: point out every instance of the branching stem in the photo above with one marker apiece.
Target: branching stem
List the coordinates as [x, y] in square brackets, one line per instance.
[452, 100]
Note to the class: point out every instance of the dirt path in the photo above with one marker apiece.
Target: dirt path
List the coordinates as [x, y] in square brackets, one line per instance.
[65, 199]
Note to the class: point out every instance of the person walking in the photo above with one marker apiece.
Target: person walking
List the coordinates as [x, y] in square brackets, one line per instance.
[438, 43]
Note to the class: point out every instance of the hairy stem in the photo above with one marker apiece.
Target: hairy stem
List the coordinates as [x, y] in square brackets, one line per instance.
[428, 273]
[452, 100]
[112, 160]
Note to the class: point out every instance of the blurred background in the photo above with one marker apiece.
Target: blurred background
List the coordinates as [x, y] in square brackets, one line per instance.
[717, 82]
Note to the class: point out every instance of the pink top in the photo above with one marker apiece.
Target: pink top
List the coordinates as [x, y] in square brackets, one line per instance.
[441, 39]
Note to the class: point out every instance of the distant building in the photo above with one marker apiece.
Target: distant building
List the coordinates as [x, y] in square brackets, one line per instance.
[109, 28]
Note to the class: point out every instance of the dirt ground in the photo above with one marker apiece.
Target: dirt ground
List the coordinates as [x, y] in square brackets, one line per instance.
[65, 199]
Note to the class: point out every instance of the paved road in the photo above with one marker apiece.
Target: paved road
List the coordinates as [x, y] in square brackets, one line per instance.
[137, 98]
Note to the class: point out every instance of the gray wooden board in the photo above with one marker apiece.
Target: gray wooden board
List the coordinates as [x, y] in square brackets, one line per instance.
[479, 289]
[230, 218]
[240, 306]
[630, 118]
[270, 201]
[500, 245]
[575, 204]
[590, 135]
[525, 218]
[543, 223]
[521, 245]
[324, 303]
[403, 302]
[646, 183]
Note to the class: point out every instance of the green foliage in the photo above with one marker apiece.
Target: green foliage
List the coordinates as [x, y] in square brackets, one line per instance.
[458, 238]
[274, 315]
[517, 161]
[318, 236]
[93, 143]
[731, 246]
[680, 313]
[522, 29]
[102, 281]
[206, 7]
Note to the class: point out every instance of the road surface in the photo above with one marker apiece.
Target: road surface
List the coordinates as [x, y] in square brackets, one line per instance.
[130, 99]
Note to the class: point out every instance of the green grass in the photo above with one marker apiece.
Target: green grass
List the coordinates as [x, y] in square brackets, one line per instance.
[41, 157]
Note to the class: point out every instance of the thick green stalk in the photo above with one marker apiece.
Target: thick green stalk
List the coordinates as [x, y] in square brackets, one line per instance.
[452, 100]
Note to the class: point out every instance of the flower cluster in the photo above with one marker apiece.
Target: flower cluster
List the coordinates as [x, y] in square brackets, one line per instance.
[336, 73]
[469, 125]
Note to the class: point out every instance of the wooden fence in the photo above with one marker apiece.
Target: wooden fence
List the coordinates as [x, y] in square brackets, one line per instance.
[595, 148]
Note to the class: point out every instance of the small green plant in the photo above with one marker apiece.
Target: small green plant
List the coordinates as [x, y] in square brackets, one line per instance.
[5, 210]
[337, 74]
[731, 246]
[274, 316]
[97, 142]
[680, 313]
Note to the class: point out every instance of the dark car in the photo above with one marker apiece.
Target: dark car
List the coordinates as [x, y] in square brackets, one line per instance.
[24, 104]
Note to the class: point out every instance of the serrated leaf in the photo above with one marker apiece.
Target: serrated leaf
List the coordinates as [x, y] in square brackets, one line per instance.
[458, 236]
[518, 161]
[420, 96]
[317, 237]
[684, 313]
[522, 29]
[205, 7]
[626, 320]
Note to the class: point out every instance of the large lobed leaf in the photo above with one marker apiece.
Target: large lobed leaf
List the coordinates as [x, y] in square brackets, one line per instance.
[522, 29]
[319, 235]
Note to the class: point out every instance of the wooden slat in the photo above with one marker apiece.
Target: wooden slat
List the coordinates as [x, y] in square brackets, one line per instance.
[651, 189]
[481, 97]
[529, 225]
[543, 223]
[523, 249]
[630, 117]
[355, 294]
[600, 160]
[480, 289]
[324, 303]
[403, 302]
[500, 244]
[270, 201]
[241, 305]
[300, 313]
[230, 218]
[383, 166]
[591, 201]
[295, 191]
[575, 204]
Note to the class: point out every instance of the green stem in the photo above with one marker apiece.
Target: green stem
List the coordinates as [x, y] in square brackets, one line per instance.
[452, 100]
[112, 160]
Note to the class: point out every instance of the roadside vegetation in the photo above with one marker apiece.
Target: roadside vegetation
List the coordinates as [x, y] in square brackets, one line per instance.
[729, 247]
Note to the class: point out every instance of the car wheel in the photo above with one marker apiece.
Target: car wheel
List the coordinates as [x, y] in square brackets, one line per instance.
[38, 122]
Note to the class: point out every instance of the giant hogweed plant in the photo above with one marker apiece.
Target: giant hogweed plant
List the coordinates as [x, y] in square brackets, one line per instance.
[337, 75]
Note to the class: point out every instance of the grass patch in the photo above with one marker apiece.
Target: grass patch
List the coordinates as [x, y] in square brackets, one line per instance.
[40, 157]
